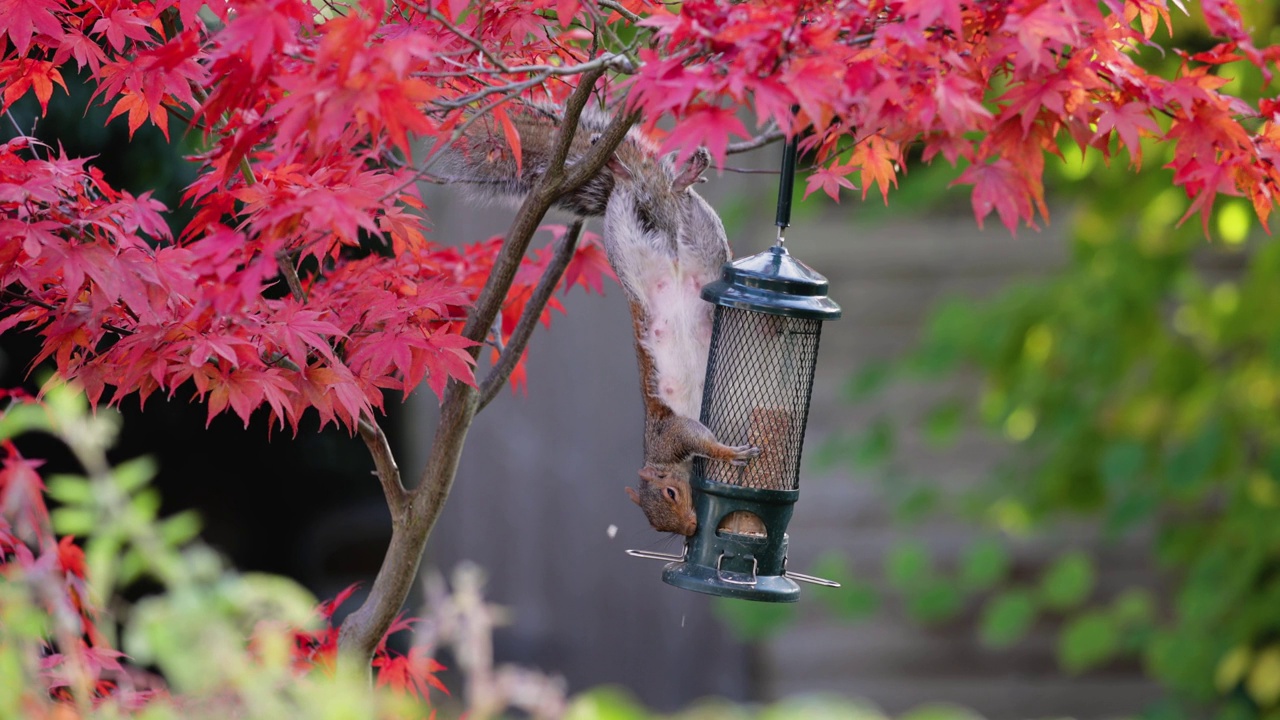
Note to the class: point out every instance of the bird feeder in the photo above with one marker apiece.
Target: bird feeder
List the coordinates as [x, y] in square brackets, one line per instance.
[764, 346]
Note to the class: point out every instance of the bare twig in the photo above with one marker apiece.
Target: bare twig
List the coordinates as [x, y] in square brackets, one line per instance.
[28, 300]
[507, 89]
[544, 72]
[765, 138]
[618, 8]
[459, 32]
[547, 284]
[614, 61]
[290, 274]
[385, 468]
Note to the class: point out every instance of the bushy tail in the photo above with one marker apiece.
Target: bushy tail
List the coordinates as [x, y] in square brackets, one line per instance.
[484, 166]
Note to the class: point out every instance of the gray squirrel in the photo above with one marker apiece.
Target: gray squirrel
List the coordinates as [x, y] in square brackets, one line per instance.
[664, 242]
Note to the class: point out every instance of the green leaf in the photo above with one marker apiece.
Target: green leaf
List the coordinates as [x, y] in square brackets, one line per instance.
[1007, 617]
[1127, 511]
[753, 621]
[820, 707]
[262, 595]
[942, 424]
[1087, 641]
[1263, 681]
[19, 418]
[133, 474]
[1187, 468]
[180, 528]
[72, 521]
[1068, 582]
[936, 601]
[984, 564]
[1134, 607]
[913, 503]
[1121, 465]
[875, 446]
[909, 565]
[867, 381]
[133, 564]
[69, 489]
[146, 504]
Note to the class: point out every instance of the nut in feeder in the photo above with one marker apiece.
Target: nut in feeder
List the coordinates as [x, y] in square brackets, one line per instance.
[764, 347]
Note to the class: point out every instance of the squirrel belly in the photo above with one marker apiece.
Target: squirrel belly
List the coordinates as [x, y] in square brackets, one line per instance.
[674, 328]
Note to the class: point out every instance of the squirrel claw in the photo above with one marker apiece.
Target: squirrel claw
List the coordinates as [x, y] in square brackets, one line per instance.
[744, 453]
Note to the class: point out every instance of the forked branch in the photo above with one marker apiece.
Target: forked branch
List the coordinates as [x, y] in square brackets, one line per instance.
[363, 629]
[547, 285]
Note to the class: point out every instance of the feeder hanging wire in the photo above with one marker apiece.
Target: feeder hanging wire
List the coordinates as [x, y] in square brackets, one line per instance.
[786, 187]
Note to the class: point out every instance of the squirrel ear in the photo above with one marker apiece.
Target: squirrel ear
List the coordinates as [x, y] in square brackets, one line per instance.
[635, 497]
[648, 474]
[693, 168]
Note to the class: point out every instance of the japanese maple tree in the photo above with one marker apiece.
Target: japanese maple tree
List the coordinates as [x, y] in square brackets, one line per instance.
[312, 117]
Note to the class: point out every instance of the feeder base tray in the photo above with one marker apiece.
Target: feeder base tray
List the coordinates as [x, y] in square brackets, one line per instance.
[744, 586]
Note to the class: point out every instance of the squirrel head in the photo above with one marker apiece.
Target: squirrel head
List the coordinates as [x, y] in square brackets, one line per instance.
[667, 501]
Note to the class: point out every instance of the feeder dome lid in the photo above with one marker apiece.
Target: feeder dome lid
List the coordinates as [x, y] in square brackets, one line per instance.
[773, 282]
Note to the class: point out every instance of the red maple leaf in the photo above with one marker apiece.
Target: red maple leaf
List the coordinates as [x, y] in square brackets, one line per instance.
[878, 161]
[22, 493]
[22, 20]
[414, 673]
[139, 110]
[70, 556]
[19, 76]
[705, 126]
[829, 179]
[1126, 120]
[1000, 187]
[120, 25]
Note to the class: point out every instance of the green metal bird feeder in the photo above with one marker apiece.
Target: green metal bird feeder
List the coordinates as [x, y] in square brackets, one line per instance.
[764, 346]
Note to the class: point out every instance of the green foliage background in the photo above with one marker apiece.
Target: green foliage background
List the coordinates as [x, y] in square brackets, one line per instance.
[1138, 392]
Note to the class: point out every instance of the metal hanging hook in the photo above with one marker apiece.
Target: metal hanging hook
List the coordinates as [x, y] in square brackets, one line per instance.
[786, 186]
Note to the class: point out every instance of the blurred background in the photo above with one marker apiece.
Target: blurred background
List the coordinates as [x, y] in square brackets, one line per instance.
[1044, 466]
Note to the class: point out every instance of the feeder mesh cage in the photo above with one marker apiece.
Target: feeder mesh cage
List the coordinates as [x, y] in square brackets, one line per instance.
[759, 376]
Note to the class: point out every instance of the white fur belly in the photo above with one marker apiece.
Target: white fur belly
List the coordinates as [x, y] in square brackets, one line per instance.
[678, 339]
[678, 336]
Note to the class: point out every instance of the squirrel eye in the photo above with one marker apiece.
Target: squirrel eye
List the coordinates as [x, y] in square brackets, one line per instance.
[671, 493]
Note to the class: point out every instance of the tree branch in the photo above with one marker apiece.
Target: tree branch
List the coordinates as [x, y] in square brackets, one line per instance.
[765, 138]
[290, 274]
[385, 468]
[599, 154]
[547, 284]
[618, 8]
[28, 300]
[363, 629]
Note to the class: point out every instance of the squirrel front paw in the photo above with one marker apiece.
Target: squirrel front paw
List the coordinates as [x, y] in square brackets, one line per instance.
[743, 453]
